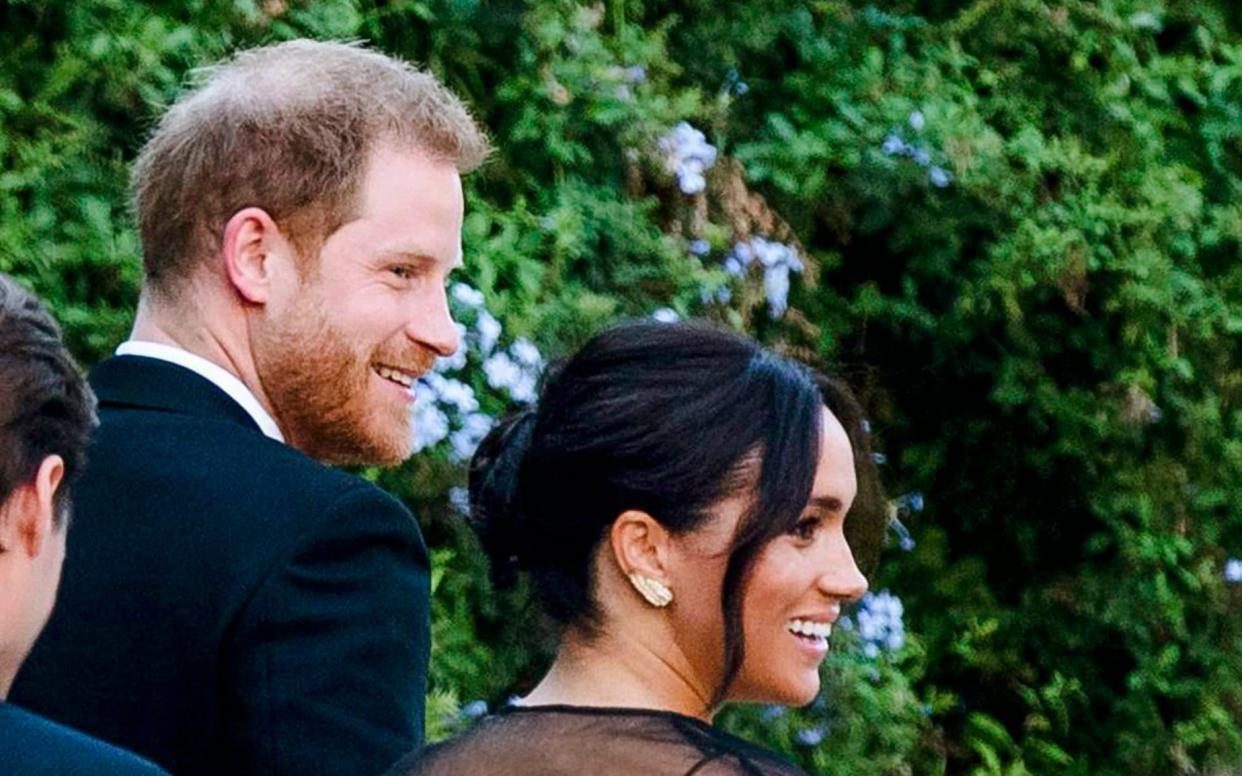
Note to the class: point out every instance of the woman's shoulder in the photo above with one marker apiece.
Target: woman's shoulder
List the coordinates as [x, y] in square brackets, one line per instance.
[603, 741]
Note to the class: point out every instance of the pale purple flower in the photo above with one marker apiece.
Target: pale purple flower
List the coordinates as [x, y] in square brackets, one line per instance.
[734, 84]
[777, 260]
[526, 353]
[502, 372]
[878, 619]
[893, 145]
[525, 388]
[467, 438]
[939, 177]
[1233, 570]
[454, 393]
[904, 539]
[688, 155]
[910, 502]
[811, 736]
[459, 497]
[635, 74]
[489, 331]
[690, 179]
[467, 295]
[772, 712]
[430, 425]
[776, 289]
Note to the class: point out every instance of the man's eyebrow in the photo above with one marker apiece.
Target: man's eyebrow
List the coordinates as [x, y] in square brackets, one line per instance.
[419, 257]
[829, 503]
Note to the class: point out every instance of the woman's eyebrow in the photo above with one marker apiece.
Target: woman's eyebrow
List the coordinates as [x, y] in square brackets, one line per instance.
[829, 503]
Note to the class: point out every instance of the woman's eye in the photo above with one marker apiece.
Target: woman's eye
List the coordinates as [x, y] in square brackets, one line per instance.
[805, 529]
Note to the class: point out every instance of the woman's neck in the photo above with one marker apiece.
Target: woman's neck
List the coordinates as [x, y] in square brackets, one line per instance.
[619, 672]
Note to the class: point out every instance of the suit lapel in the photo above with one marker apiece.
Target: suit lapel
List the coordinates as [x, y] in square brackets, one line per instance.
[149, 383]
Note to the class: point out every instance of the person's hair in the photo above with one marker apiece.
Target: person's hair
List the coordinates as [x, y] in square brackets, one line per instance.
[46, 407]
[669, 419]
[287, 128]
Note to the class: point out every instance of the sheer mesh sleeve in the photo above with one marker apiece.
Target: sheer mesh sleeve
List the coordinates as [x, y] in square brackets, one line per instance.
[572, 741]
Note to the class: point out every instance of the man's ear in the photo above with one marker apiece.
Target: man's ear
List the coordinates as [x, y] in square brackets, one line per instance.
[250, 239]
[640, 545]
[28, 516]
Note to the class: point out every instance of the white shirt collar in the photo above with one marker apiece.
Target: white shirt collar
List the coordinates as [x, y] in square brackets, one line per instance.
[214, 373]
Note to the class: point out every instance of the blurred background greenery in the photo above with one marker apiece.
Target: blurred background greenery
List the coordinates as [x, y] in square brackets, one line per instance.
[1014, 225]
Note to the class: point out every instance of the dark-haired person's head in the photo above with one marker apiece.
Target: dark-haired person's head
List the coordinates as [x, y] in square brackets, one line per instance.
[686, 491]
[47, 413]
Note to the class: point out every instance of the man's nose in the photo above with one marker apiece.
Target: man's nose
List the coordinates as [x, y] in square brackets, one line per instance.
[433, 326]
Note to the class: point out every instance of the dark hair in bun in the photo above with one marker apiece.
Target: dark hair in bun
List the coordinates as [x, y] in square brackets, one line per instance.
[493, 481]
[666, 418]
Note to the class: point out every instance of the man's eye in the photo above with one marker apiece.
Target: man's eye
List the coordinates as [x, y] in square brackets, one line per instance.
[403, 271]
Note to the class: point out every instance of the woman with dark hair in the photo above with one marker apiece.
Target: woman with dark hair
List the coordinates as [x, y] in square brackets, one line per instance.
[678, 497]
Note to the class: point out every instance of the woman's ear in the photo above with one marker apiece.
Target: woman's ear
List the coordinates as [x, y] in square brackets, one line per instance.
[640, 546]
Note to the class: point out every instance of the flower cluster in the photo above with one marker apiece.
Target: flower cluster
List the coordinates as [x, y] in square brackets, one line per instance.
[734, 85]
[895, 145]
[905, 505]
[878, 620]
[777, 260]
[459, 498]
[474, 709]
[626, 78]
[445, 406]
[812, 736]
[910, 502]
[1233, 570]
[688, 155]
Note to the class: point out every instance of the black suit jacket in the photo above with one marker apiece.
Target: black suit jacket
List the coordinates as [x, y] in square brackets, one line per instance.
[33, 746]
[228, 605]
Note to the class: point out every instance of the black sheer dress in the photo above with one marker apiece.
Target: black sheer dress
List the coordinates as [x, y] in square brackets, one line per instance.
[583, 741]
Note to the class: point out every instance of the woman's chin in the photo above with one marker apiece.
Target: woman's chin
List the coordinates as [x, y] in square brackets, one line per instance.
[806, 696]
[793, 693]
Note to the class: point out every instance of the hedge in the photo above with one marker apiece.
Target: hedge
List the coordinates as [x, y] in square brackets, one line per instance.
[1014, 225]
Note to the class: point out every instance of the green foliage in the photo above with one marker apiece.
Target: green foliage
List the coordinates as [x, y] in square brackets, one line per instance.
[1047, 344]
[868, 720]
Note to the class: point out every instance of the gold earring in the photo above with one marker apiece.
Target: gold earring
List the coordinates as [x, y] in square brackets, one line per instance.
[654, 591]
